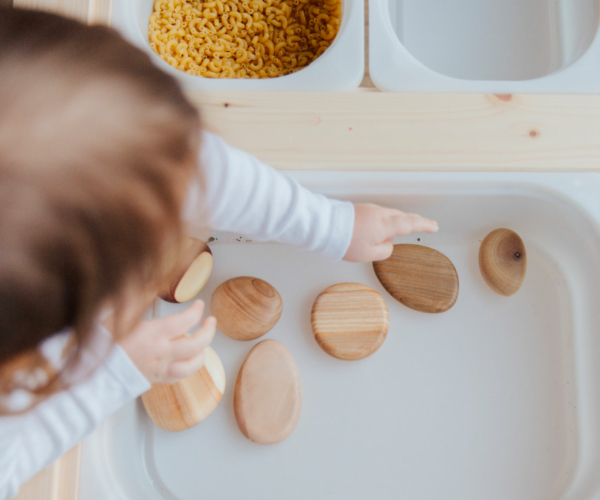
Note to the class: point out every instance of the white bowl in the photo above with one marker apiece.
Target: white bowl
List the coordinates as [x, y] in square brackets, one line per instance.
[491, 46]
[340, 67]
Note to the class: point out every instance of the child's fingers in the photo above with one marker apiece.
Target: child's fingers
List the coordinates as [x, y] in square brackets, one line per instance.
[180, 323]
[403, 224]
[185, 368]
[422, 224]
[382, 251]
[188, 347]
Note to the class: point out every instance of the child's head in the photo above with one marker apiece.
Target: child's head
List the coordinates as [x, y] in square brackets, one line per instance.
[96, 147]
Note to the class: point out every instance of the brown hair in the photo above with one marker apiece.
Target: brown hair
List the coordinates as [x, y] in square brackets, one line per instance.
[96, 145]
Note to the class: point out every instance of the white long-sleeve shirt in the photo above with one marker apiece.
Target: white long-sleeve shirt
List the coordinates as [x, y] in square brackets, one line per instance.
[240, 195]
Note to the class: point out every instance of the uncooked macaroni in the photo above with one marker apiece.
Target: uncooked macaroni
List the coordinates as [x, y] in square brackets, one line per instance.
[243, 38]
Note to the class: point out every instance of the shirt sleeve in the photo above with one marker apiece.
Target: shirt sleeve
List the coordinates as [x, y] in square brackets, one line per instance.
[32, 441]
[237, 193]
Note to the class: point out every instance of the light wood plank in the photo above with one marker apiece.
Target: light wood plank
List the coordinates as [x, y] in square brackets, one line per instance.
[99, 11]
[88, 11]
[60, 481]
[386, 131]
[77, 9]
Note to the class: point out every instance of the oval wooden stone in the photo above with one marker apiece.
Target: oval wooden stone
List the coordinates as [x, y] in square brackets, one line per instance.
[268, 394]
[246, 308]
[191, 274]
[420, 277]
[350, 321]
[503, 261]
[179, 406]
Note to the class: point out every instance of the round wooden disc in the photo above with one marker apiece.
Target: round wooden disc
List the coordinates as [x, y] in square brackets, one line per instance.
[246, 308]
[420, 277]
[267, 400]
[350, 321]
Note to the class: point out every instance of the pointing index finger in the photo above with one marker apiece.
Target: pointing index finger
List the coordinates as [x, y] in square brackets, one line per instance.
[403, 224]
[423, 225]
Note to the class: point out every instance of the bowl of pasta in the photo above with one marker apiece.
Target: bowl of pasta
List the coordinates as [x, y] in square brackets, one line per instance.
[270, 45]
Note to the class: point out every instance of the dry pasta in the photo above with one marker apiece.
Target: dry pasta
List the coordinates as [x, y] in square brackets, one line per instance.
[243, 38]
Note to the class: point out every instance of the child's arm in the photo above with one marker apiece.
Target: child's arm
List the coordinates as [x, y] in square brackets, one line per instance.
[245, 196]
[32, 441]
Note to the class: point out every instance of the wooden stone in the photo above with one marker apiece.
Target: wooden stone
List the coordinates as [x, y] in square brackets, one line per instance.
[179, 406]
[246, 308]
[503, 261]
[191, 273]
[350, 321]
[420, 277]
[268, 393]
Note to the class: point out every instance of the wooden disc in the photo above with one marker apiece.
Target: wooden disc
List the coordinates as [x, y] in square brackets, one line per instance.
[503, 261]
[420, 277]
[267, 400]
[179, 406]
[350, 321]
[246, 308]
[191, 274]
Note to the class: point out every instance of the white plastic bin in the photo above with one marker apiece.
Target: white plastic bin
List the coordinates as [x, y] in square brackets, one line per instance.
[493, 46]
[496, 399]
[340, 67]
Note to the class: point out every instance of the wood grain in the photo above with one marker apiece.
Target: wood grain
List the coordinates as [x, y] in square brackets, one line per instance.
[268, 394]
[350, 321]
[420, 277]
[503, 261]
[179, 406]
[371, 130]
[60, 481]
[246, 308]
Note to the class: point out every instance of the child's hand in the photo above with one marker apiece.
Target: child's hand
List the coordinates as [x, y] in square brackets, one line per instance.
[163, 351]
[375, 228]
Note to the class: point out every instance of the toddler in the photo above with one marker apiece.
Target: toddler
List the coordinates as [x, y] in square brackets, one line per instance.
[104, 166]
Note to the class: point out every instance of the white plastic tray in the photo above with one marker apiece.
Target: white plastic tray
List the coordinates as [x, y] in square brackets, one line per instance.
[340, 67]
[496, 399]
[490, 46]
